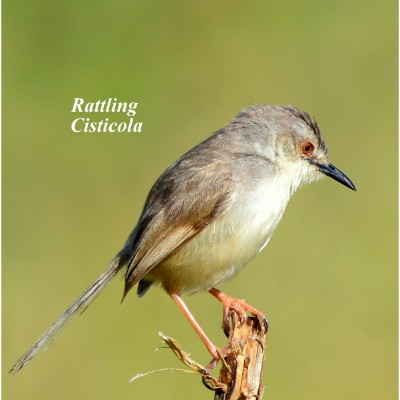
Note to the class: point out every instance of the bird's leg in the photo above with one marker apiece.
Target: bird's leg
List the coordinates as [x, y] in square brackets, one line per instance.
[212, 349]
[240, 306]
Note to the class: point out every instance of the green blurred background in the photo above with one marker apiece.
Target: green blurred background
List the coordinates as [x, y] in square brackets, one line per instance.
[328, 279]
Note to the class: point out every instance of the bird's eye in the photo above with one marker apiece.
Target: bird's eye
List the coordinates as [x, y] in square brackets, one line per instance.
[307, 148]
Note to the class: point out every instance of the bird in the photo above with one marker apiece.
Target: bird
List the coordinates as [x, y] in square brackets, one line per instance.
[212, 211]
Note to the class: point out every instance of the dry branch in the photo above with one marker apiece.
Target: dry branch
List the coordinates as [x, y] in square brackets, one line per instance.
[241, 372]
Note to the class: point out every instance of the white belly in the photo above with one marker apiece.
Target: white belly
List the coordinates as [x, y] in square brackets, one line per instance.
[225, 246]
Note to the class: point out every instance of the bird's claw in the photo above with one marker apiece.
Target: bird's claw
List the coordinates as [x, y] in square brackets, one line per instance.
[240, 307]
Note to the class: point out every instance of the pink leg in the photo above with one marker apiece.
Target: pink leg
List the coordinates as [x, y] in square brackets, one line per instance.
[240, 306]
[184, 308]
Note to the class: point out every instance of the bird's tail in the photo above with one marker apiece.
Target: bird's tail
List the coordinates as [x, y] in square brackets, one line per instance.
[76, 308]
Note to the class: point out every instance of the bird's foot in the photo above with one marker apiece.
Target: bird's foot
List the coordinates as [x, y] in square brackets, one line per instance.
[221, 354]
[239, 306]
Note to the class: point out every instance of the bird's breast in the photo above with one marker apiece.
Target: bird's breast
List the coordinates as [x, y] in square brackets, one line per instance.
[225, 246]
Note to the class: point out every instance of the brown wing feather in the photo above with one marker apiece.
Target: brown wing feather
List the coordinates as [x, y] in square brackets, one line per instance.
[184, 200]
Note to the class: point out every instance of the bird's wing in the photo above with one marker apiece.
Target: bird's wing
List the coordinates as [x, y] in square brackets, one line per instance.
[184, 200]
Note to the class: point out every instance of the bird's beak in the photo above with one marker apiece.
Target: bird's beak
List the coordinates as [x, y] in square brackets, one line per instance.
[333, 172]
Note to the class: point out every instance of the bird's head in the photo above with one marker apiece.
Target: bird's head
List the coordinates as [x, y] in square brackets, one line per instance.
[291, 140]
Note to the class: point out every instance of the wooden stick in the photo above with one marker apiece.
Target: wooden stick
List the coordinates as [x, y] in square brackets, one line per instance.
[240, 376]
[244, 364]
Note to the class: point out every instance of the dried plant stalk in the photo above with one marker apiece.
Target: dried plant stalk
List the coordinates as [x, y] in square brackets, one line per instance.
[241, 372]
[244, 363]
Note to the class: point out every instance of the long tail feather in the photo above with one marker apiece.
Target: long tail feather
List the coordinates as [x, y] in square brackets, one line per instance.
[76, 308]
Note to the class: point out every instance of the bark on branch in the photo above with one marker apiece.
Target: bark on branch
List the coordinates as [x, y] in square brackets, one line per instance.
[240, 376]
